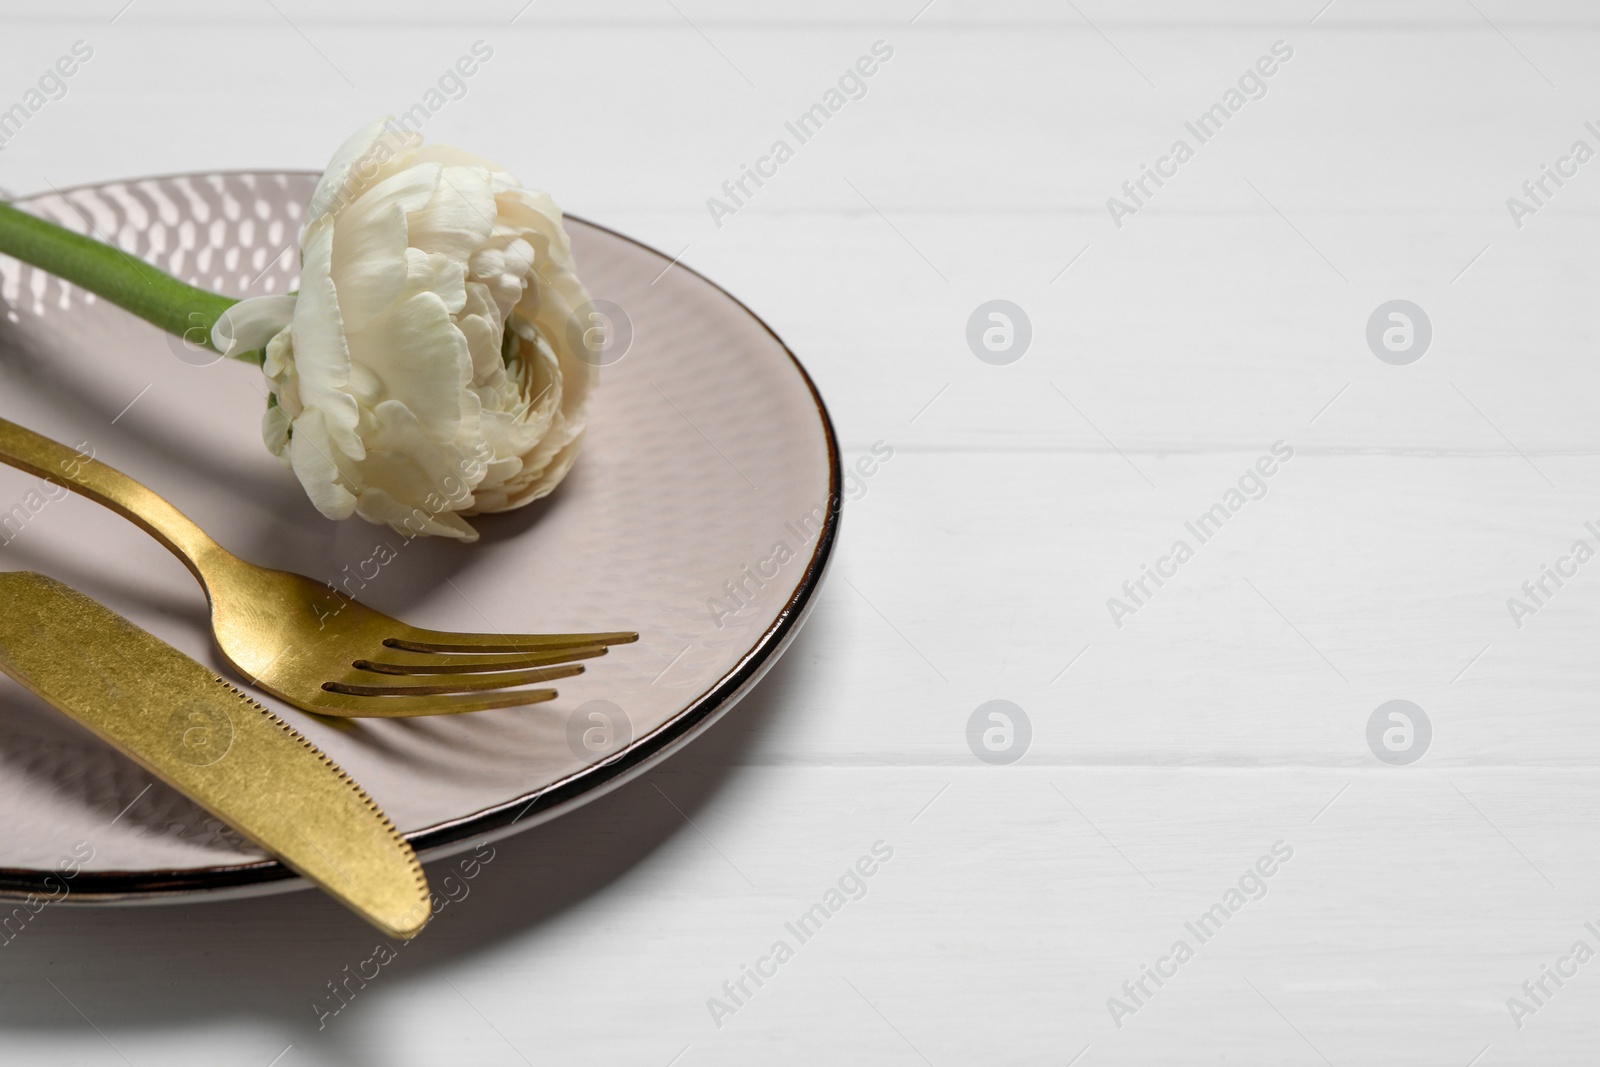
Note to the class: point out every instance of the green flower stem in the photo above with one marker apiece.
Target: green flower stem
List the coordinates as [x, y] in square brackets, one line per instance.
[112, 274]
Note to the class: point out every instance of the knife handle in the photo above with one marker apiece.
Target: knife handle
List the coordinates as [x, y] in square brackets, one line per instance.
[37, 454]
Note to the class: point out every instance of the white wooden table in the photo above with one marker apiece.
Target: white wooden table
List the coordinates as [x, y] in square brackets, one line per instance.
[1226, 715]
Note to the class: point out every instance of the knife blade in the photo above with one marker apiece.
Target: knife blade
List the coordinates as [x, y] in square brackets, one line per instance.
[213, 744]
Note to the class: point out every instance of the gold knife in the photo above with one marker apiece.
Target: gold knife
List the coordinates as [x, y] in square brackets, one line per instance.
[213, 744]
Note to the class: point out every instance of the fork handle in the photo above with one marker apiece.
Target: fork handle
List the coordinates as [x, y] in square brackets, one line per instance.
[80, 472]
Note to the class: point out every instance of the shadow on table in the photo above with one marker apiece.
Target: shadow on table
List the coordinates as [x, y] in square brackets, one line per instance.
[154, 968]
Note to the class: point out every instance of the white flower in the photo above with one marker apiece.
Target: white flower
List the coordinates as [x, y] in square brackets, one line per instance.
[424, 370]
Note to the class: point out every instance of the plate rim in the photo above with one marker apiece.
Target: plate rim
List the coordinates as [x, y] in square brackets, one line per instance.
[226, 881]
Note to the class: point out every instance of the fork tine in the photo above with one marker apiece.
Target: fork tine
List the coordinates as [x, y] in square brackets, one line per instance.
[415, 640]
[344, 704]
[401, 662]
[455, 683]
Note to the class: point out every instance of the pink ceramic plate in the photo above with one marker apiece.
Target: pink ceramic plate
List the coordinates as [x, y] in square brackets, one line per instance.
[701, 513]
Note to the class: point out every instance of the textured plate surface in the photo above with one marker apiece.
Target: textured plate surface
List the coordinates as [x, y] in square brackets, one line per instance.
[701, 513]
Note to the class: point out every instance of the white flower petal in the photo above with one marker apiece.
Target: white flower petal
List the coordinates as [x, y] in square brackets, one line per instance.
[460, 216]
[420, 360]
[360, 161]
[438, 274]
[311, 455]
[322, 359]
[379, 507]
[251, 323]
[275, 430]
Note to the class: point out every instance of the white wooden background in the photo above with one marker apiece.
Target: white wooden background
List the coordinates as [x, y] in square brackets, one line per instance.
[1166, 755]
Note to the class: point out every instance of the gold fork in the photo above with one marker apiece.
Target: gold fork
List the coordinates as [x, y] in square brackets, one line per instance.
[305, 644]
